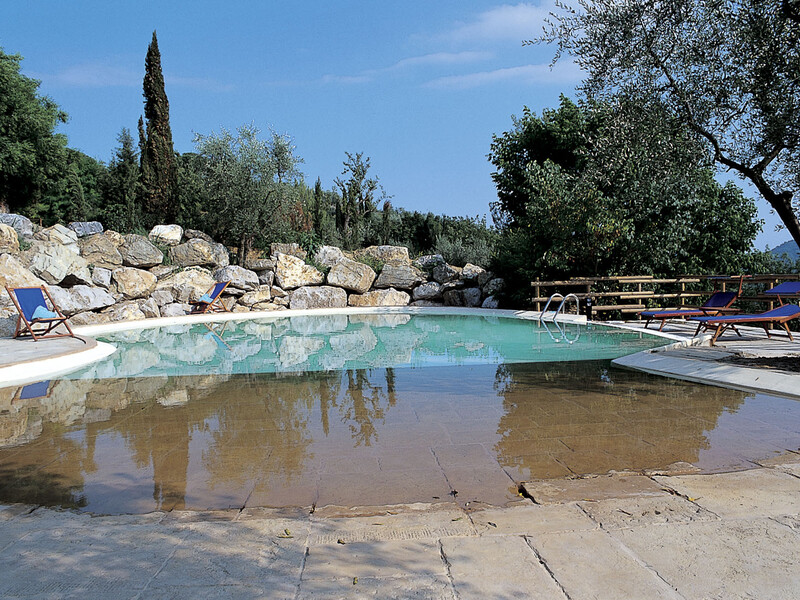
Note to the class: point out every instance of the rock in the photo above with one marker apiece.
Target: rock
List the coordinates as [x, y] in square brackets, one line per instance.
[198, 252]
[328, 255]
[290, 249]
[137, 251]
[399, 276]
[80, 298]
[429, 261]
[494, 286]
[428, 303]
[101, 250]
[484, 278]
[491, 302]
[262, 294]
[471, 296]
[162, 297]
[162, 271]
[15, 274]
[124, 311]
[60, 235]
[471, 272]
[176, 309]
[387, 254]
[22, 225]
[240, 279]
[89, 318]
[390, 297]
[322, 296]
[9, 240]
[291, 272]
[150, 309]
[456, 284]
[282, 301]
[86, 228]
[134, 283]
[277, 292]
[101, 277]
[169, 235]
[261, 264]
[268, 306]
[191, 234]
[55, 263]
[442, 273]
[428, 291]
[351, 275]
[187, 285]
[266, 277]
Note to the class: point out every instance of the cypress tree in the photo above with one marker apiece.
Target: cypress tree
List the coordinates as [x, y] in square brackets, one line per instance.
[159, 169]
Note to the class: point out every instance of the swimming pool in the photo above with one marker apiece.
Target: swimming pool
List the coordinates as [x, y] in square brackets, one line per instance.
[375, 409]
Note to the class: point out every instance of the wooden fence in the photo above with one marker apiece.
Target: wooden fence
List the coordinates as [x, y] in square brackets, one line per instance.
[631, 294]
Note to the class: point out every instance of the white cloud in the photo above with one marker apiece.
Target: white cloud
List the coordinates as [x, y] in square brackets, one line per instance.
[506, 22]
[562, 73]
[96, 75]
[440, 58]
[345, 79]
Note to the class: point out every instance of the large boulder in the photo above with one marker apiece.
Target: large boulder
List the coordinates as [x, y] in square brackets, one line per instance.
[134, 283]
[491, 302]
[80, 298]
[292, 272]
[261, 264]
[86, 228]
[351, 275]
[494, 286]
[472, 272]
[241, 280]
[428, 291]
[101, 277]
[149, 309]
[102, 250]
[9, 240]
[390, 297]
[323, 296]
[176, 309]
[466, 297]
[262, 294]
[191, 234]
[399, 276]
[60, 235]
[187, 285]
[89, 318]
[290, 249]
[56, 263]
[428, 262]
[169, 235]
[13, 273]
[442, 273]
[200, 253]
[137, 251]
[22, 225]
[124, 311]
[328, 256]
[387, 254]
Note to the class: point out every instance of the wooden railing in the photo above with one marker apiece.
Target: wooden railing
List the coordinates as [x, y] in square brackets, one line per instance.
[632, 294]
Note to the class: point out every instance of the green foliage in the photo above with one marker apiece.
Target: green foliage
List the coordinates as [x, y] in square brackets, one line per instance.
[121, 188]
[358, 199]
[726, 71]
[32, 155]
[372, 262]
[159, 172]
[639, 198]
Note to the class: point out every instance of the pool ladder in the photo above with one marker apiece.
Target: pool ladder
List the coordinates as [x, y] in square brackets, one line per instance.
[563, 334]
[560, 308]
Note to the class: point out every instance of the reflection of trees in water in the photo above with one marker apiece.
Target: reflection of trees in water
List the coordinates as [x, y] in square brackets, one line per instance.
[365, 403]
[593, 418]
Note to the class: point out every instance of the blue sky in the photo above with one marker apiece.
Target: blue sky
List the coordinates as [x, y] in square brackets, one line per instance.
[418, 86]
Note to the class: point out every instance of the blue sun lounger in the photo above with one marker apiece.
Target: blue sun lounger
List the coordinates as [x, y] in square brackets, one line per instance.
[35, 318]
[782, 315]
[787, 288]
[211, 301]
[718, 302]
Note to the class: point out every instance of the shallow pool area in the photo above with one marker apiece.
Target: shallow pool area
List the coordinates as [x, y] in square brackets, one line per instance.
[367, 410]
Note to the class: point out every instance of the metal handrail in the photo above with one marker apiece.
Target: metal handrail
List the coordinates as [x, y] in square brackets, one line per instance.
[560, 306]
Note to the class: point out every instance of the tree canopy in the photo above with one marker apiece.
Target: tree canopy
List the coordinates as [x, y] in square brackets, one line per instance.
[726, 70]
[32, 154]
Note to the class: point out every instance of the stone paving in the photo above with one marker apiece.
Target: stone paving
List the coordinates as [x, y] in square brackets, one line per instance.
[623, 535]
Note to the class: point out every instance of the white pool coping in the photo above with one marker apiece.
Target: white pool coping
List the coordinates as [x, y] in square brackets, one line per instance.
[38, 370]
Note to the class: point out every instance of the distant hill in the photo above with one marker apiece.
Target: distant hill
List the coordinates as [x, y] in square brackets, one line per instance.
[789, 248]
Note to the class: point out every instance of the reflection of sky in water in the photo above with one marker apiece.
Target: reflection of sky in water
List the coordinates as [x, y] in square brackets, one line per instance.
[333, 342]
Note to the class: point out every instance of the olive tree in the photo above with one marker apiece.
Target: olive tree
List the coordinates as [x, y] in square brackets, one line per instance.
[244, 182]
[728, 70]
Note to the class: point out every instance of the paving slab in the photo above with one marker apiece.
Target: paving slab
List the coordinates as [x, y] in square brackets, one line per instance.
[757, 492]
[531, 519]
[274, 591]
[401, 588]
[498, 567]
[722, 560]
[557, 491]
[645, 511]
[593, 565]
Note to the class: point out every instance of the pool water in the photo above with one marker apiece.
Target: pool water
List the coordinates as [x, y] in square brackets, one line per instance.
[466, 431]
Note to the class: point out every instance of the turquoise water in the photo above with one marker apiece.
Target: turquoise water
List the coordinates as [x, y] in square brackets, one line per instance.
[311, 343]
